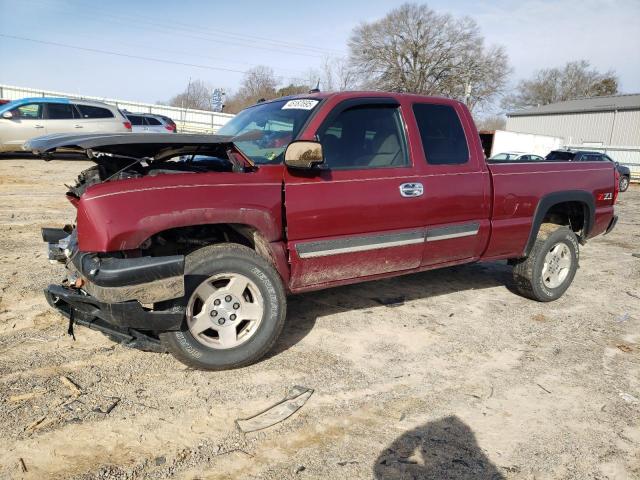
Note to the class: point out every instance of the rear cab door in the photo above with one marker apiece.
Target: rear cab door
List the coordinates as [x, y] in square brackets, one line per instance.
[457, 184]
[363, 215]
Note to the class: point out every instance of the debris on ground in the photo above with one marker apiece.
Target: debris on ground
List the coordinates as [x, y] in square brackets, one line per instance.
[543, 388]
[39, 423]
[629, 398]
[539, 317]
[26, 396]
[23, 465]
[623, 318]
[624, 348]
[75, 389]
[278, 412]
[110, 407]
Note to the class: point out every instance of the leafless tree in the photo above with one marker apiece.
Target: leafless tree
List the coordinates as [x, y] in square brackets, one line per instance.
[574, 80]
[197, 95]
[258, 82]
[415, 49]
[337, 75]
[491, 122]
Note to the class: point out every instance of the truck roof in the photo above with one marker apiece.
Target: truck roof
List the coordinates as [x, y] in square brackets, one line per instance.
[363, 94]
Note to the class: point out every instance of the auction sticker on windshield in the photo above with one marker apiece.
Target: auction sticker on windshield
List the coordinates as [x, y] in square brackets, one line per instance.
[300, 104]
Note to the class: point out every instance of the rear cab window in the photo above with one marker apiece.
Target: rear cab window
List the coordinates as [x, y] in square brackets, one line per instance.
[443, 138]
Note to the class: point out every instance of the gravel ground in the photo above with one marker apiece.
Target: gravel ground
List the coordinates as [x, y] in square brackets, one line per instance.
[463, 379]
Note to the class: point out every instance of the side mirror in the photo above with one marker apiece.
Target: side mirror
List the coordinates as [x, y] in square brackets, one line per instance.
[8, 115]
[304, 155]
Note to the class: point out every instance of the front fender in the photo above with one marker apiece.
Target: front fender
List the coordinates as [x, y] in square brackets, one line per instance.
[121, 215]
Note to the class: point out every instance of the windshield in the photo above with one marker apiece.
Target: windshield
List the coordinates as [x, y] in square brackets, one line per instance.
[263, 131]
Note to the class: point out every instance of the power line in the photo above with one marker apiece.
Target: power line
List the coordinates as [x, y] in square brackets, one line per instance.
[217, 32]
[165, 29]
[119, 54]
[126, 55]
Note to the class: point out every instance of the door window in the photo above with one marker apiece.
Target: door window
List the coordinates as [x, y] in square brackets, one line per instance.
[443, 138]
[365, 137]
[153, 121]
[90, 111]
[60, 111]
[136, 120]
[30, 111]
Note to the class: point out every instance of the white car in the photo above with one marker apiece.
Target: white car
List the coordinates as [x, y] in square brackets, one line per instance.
[150, 123]
[516, 157]
[27, 118]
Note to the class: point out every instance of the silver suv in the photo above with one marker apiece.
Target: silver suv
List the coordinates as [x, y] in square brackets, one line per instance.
[27, 118]
[150, 123]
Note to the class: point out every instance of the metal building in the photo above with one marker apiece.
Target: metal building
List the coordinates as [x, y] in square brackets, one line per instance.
[610, 124]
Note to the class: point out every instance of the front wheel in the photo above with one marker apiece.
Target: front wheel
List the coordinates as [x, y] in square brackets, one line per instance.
[550, 267]
[235, 307]
[624, 184]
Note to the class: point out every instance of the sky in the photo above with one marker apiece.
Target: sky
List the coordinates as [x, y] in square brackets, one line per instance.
[216, 41]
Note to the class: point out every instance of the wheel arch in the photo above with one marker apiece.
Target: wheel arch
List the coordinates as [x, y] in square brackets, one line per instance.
[244, 234]
[558, 204]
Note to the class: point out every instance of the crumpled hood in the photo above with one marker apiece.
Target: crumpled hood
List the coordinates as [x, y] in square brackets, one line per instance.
[139, 145]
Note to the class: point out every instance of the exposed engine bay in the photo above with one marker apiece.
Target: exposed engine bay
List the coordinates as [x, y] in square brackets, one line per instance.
[115, 167]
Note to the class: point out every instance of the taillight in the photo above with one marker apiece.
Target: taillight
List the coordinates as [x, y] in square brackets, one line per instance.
[127, 125]
[171, 128]
[616, 187]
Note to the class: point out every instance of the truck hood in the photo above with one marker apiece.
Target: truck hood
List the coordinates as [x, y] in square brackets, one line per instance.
[153, 146]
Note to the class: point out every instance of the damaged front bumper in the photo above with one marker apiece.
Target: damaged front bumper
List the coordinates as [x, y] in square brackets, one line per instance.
[110, 293]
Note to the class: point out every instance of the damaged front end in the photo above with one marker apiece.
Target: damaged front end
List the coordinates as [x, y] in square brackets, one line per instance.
[117, 296]
[124, 294]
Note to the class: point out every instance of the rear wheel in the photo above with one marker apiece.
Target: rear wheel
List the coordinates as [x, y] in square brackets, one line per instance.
[235, 307]
[550, 267]
[624, 183]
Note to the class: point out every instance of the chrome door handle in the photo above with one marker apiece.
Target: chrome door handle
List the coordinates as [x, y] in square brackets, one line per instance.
[78, 126]
[38, 126]
[411, 189]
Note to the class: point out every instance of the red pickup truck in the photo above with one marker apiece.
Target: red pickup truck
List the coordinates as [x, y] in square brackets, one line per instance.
[191, 243]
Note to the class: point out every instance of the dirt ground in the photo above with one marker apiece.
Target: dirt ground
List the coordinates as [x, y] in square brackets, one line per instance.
[463, 379]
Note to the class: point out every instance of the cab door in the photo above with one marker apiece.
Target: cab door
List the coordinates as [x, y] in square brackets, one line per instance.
[456, 183]
[361, 216]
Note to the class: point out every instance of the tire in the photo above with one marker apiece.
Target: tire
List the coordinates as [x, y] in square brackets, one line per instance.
[230, 340]
[624, 183]
[551, 265]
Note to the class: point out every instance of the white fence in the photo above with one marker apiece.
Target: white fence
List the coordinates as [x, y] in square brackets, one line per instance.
[628, 156]
[187, 120]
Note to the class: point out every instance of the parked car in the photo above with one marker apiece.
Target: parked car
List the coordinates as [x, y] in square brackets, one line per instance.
[199, 256]
[590, 156]
[150, 123]
[169, 121]
[27, 118]
[516, 157]
[3, 101]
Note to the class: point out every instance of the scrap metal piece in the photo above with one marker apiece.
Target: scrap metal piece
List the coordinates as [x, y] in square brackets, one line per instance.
[278, 412]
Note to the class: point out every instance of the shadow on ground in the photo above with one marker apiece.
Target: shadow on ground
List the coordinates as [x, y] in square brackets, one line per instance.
[304, 309]
[443, 449]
